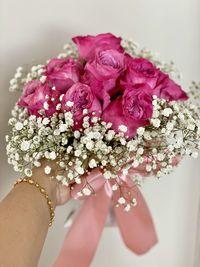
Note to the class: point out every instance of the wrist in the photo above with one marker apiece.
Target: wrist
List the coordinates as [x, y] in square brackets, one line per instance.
[58, 193]
[46, 181]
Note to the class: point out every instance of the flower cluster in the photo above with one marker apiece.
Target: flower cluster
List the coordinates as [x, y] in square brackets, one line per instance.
[101, 105]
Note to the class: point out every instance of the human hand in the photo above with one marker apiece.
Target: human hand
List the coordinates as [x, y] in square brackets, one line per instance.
[58, 193]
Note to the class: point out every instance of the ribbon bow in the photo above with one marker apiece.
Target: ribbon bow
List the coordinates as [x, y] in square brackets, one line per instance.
[136, 226]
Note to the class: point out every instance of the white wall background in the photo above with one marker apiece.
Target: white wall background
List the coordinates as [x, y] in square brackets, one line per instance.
[32, 31]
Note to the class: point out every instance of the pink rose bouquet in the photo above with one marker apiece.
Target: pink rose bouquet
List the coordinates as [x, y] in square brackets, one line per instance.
[101, 104]
[109, 114]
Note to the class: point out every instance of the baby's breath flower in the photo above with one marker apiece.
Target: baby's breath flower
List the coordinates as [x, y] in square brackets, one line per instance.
[58, 106]
[86, 191]
[134, 201]
[123, 128]
[121, 200]
[46, 106]
[128, 207]
[78, 180]
[61, 97]
[135, 163]
[140, 151]
[80, 170]
[52, 155]
[90, 145]
[148, 168]
[107, 175]
[169, 126]
[45, 121]
[47, 170]
[63, 128]
[70, 104]
[56, 132]
[28, 172]
[140, 131]
[43, 79]
[25, 145]
[92, 163]
[155, 123]
[167, 111]
[18, 126]
[114, 187]
[65, 182]
[76, 134]
[77, 152]
[37, 163]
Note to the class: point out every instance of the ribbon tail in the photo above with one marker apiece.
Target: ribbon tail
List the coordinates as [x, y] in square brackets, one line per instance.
[81, 241]
[136, 226]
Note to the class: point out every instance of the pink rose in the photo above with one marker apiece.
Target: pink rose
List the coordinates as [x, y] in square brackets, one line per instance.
[133, 109]
[34, 97]
[83, 98]
[102, 73]
[169, 90]
[140, 70]
[88, 44]
[63, 73]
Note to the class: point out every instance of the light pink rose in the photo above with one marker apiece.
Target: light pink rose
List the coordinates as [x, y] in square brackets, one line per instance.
[88, 44]
[102, 73]
[34, 97]
[133, 109]
[63, 73]
[140, 70]
[83, 98]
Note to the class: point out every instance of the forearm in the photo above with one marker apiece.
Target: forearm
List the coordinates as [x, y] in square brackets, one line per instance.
[24, 223]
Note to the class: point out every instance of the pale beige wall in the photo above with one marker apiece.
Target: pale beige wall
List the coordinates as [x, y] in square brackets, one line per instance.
[31, 31]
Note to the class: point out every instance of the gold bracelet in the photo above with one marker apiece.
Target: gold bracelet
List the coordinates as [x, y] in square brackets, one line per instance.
[44, 193]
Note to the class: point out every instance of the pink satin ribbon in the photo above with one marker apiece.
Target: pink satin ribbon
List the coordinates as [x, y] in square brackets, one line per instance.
[136, 226]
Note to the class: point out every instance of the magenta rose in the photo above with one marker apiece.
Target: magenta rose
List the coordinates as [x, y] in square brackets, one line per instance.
[102, 73]
[83, 98]
[140, 70]
[88, 44]
[63, 73]
[133, 109]
[168, 89]
[38, 97]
